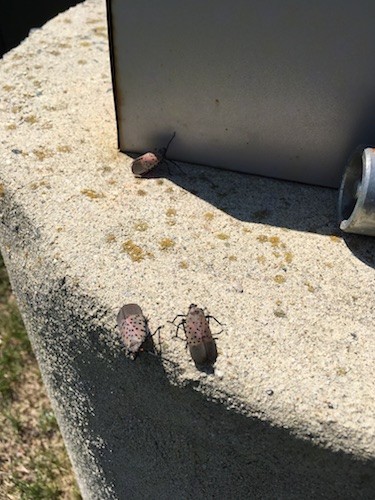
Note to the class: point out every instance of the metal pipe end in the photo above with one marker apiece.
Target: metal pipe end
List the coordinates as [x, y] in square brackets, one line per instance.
[357, 193]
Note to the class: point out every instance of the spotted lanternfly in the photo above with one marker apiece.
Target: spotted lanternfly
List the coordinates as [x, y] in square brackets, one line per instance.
[133, 328]
[147, 162]
[202, 345]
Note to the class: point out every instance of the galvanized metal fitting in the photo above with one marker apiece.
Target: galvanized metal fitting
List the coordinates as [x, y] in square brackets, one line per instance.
[357, 193]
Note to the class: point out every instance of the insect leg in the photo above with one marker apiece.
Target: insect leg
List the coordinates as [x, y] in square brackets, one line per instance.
[157, 331]
[180, 324]
[178, 316]
[208, 317]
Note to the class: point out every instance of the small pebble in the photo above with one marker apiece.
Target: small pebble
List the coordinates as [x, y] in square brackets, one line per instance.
[269, 392]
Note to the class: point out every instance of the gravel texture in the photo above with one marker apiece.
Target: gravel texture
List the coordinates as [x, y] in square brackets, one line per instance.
[289, 409]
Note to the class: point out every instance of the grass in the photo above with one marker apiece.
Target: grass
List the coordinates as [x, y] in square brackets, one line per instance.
[33, 460]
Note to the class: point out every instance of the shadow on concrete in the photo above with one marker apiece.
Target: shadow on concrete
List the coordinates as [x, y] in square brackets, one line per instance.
[363, 247]
[152, 439]
[18, 17]
[251, 198]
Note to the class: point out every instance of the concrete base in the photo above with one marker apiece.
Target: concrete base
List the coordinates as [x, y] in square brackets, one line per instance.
[289, 411]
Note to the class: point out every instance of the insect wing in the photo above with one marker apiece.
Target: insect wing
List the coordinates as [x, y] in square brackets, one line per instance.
[201, 344]
[144, 164]
[128, 310]
[210, 345]
[133, 327]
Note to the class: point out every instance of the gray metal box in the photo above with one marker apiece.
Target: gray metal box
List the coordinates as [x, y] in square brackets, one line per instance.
[281, 89]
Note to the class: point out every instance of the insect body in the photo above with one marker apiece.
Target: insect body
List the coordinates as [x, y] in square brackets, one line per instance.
[202, 345]
[145, 163]
[133, 329]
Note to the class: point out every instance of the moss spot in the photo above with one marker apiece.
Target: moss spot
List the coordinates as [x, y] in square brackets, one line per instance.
[141, 226]
[11, 126]
[335, 239]
[160, 182]
[183, 264]
[82, 62]
[262, 238]
[208, 215]
[288, 257]
[110, 238]
[42, 153]
[64, 46]
[171, 212]
[30, 119]
[279, 279]
[166, 244]
[16, 109]
[64, 149]
[8, 88]
[141, 192]
[90, 193]
[2, 190]
[309, 287]
[85, 44]
[222, 236]
[274, 240]
[135, 252]
[100, 31]
[246, 230]
[232, 258]
[169, 190]
[279, 313]
[261, 259]
[36, 185]
[59, 229]
[55, 52]
[341, 371]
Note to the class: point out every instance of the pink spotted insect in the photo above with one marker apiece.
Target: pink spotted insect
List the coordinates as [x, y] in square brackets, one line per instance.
[134, 329]
[202, 345]
[148, 161]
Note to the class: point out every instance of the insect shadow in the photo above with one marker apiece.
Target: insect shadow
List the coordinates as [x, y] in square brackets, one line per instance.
[198, 337]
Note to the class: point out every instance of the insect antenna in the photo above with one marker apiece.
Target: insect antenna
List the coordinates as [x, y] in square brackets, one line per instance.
[170, 140]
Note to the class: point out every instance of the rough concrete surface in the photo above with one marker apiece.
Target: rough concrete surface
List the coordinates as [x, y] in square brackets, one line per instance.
[289, 409]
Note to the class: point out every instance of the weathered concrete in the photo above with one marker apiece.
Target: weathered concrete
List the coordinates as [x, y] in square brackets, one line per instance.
[289, 411]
